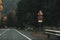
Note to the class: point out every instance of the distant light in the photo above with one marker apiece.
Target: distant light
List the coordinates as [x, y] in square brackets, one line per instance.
[1, 7]
[0, 2]
[40, 21]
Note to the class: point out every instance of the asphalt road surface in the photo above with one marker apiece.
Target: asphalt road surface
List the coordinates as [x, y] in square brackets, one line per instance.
[12, 34]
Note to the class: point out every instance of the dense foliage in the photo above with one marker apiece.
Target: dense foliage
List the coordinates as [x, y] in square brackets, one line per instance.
[50, 9]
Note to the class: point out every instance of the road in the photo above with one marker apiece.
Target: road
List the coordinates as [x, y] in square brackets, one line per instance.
[15, 34]
[12, 34]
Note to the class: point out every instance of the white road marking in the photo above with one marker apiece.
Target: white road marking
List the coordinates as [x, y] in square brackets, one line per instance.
[23, 35]
[0, 34]
[4, 32]
[4, 29]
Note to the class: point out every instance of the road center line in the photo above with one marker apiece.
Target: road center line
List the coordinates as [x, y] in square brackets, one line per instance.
[23, 35]
[4, 32]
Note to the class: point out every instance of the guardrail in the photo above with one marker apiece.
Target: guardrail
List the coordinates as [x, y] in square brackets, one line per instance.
[52, 32]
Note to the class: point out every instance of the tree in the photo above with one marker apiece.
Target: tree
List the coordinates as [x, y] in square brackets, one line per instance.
[48, 7]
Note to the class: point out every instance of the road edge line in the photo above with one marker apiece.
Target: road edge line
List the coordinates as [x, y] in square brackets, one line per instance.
[23, 35]
[4, 32]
